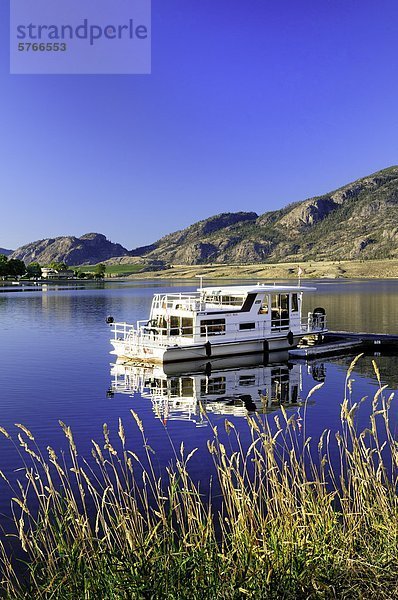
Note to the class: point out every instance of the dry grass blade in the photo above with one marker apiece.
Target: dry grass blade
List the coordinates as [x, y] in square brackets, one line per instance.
[286, 525]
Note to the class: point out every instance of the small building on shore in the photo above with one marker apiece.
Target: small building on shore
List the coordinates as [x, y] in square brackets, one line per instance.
[48, 273]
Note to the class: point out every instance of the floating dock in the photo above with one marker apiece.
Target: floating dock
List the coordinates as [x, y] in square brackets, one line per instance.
[336, 343]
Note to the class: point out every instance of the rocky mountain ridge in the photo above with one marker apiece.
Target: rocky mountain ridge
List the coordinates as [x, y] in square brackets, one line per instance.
[356, 221]
[90, 248]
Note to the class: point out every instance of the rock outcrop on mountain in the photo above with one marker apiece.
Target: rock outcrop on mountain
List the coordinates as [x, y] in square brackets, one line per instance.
[89, 249]
[358, 220]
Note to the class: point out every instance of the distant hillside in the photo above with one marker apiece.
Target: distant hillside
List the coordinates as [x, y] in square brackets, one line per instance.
[359, 220]
[356, 221]
[89, 249]
[5, 251]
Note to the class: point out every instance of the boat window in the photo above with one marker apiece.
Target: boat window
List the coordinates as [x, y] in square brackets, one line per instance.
[161, 323]
[294, 303]
[284, 302]
[212, 327]
[280, 302]
[280, 311]
[224, 300]
[181, 326]
[174, 325]
[232, 300]
[243, 326]
[186, 326]
[264, 306]
[213, 299]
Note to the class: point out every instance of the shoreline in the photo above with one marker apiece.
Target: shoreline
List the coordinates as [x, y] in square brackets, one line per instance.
[370, 269]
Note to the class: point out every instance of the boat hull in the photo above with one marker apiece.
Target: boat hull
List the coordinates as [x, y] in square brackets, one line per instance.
[168, 354]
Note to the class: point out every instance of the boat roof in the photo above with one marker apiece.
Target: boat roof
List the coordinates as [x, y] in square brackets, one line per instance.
[251, 289]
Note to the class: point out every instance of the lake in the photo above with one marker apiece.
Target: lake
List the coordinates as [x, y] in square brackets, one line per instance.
[55, 365]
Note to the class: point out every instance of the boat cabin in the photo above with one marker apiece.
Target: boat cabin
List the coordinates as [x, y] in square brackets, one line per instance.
[228, 311]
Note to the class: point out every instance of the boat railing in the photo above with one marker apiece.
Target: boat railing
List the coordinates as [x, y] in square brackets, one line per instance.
[315, 323]
[176, 301]
[160, 336]
[122, 330]
[144, 333]
[279, 324]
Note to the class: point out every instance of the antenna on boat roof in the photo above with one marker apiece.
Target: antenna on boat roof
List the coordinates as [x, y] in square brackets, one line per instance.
[201, 281]
[299, 274]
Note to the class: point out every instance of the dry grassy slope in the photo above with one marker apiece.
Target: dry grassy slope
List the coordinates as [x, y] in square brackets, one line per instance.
[359, 220]
[283, 270]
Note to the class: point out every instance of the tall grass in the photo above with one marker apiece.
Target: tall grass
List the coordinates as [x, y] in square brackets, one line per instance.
[290, 525]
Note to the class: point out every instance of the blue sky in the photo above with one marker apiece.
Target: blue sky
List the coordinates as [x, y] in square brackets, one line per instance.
[250, 106]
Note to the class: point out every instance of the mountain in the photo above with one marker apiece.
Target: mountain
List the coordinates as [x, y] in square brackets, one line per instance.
[358, 220]
[6, 252]
[205, 241]
[88, 249]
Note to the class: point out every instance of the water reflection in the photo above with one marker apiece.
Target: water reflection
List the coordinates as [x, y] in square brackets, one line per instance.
[361, 306]
[54, 364]
[230, 387]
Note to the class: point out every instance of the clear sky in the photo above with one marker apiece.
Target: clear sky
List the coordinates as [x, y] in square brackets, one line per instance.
[251, 104]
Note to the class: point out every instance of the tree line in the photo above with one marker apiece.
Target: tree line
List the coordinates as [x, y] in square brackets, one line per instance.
[14, 267]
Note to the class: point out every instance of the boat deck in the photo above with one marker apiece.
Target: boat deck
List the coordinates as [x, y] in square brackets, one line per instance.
[346, 342]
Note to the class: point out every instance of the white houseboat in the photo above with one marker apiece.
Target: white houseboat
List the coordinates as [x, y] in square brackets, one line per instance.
[218, 321]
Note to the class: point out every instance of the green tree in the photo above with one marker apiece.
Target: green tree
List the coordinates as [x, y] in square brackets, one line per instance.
[58, 266]
[16, 267]
[3, 265]
[34, 270]
[100, 270]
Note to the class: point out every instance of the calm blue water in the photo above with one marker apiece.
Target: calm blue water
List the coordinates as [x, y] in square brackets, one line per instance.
[55, 365]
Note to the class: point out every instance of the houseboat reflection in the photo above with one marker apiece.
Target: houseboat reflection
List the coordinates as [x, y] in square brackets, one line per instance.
[225, 387]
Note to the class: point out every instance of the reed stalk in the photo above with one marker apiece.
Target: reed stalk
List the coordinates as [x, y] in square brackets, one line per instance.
[290, 524]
